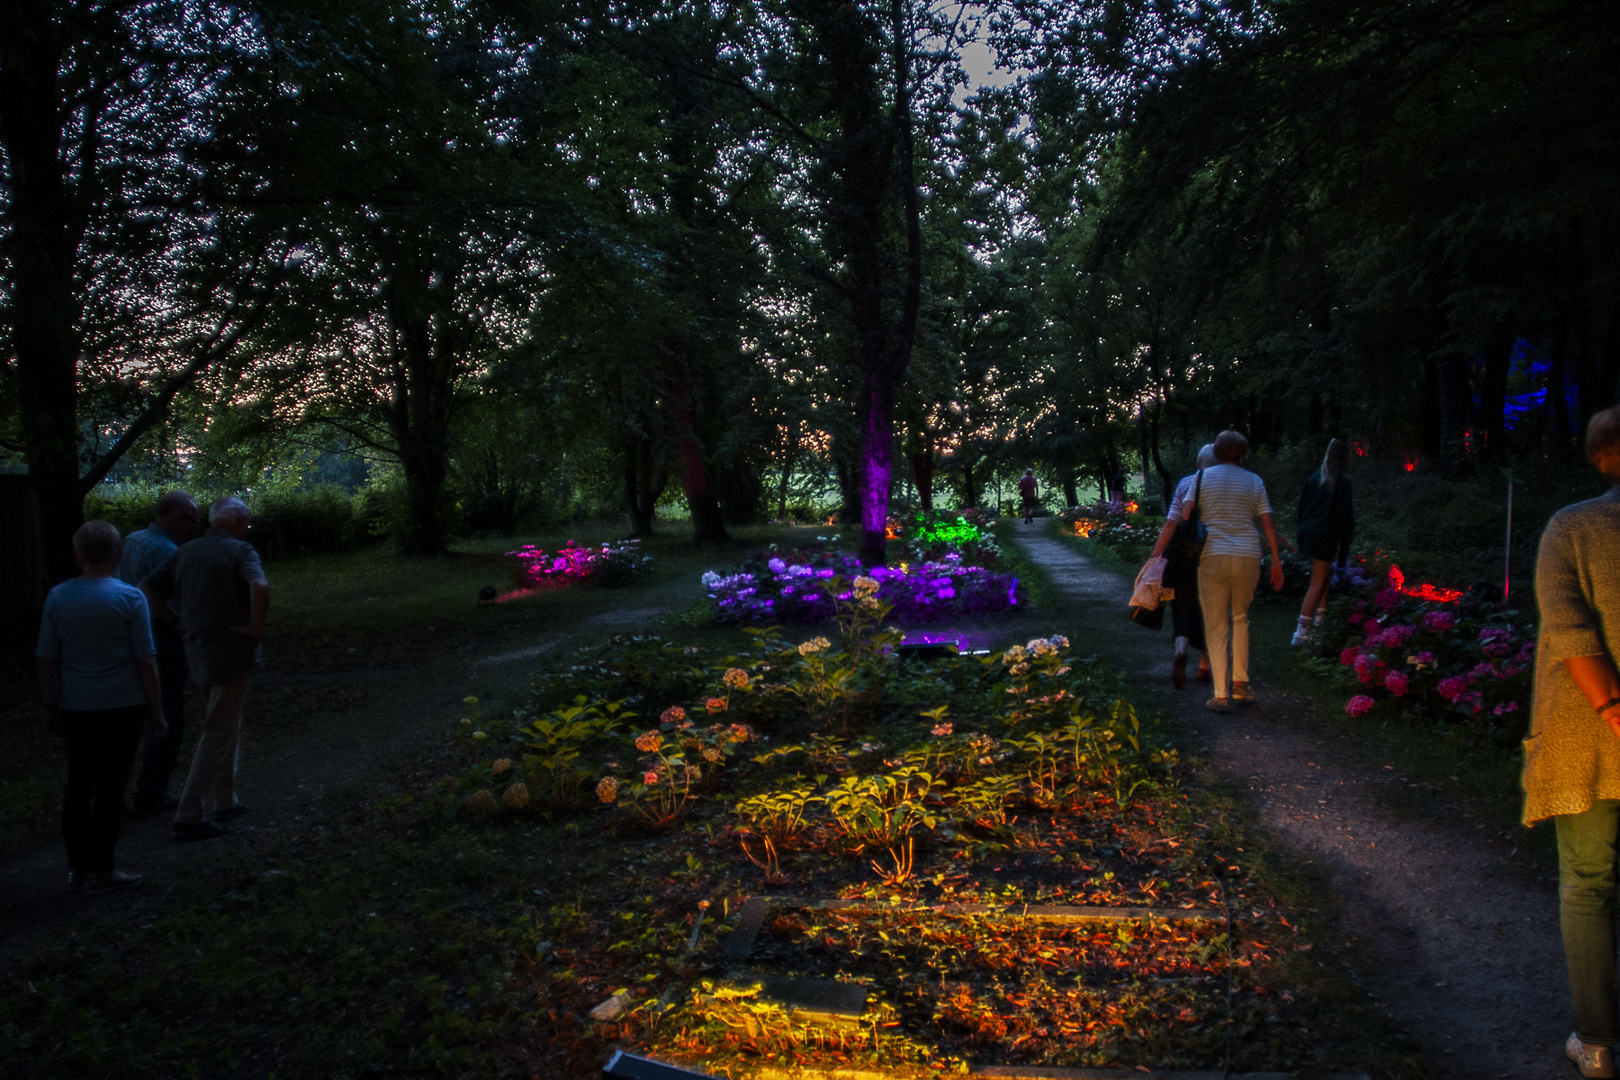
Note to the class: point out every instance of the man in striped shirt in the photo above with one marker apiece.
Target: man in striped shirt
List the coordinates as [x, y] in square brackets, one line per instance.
[1232, 500]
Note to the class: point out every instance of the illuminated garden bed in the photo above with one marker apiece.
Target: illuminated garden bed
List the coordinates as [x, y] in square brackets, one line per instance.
[999, 991]
[1432, 651]
[800, 587]
[614, 563]
[942, 797]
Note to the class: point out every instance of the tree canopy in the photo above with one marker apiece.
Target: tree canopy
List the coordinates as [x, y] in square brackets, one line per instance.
[558, 258]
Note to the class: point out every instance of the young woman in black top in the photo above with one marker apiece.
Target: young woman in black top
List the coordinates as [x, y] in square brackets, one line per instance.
[1326, 521]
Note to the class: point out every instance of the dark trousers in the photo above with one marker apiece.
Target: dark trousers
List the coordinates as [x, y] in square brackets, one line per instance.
[157, 764]
[1185, 613]
[100, 750]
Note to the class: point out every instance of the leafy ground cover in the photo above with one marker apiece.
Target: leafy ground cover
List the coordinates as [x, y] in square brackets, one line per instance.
[1027, 782]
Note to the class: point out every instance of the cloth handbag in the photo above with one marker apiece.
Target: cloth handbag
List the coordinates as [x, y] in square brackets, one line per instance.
[1147, 599]
[1187, 543]
[1148, 618]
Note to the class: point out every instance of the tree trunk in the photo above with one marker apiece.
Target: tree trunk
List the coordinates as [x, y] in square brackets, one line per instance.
[1429, 433]
[1609, 372]
[1454, 408]
[643, 483]
[1071, 494]
[922, 471]
[782, 487]
[1493, 392]
[847, 482]
[44, 307]
[1558, 389]
[1588, 392]
[420, 418]
[708, 527]
[877, 467]
[1167, 480]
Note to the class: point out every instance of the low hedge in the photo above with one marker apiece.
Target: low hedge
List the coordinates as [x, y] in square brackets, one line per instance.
[289, 520]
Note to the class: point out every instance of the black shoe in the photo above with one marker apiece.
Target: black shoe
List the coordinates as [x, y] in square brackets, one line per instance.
[234, 811]
[113, 879]
[198, 830]
[77, 880]
[144, 808]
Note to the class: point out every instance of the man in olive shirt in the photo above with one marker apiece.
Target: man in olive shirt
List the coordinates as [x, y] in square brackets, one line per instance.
[216, 587]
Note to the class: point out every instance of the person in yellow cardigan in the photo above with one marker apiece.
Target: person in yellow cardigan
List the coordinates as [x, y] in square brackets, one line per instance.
[1572, 757]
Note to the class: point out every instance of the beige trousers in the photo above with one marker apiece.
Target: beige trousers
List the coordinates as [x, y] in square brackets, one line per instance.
[1226, 585]
[212, 779]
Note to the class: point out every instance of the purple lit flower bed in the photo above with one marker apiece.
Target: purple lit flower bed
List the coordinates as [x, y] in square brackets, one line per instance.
[1443, 657]
[805, 586]
[604, 564]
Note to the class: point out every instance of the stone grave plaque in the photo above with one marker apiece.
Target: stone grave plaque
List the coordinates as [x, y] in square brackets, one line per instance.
[740, 942]
[819, 998]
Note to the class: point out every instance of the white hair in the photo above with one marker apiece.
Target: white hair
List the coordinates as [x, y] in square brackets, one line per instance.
[1206, 456]
[227, 508]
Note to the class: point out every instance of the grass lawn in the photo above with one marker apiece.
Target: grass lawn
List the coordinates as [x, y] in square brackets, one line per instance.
[439, 923]
[353, 637]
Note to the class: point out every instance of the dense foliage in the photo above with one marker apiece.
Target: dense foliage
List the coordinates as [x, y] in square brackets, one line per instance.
[539, 260]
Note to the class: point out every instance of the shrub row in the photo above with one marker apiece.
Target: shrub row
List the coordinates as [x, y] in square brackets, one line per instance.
[288, 519]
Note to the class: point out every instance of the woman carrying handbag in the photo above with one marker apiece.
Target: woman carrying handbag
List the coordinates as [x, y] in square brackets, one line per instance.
[1234, 501]
[1180, 540]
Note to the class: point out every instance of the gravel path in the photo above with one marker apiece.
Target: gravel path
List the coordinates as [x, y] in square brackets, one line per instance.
[1464, 951]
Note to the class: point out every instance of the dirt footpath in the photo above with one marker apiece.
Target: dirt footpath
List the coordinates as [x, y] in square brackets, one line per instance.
[1466, 954]
[294, 781]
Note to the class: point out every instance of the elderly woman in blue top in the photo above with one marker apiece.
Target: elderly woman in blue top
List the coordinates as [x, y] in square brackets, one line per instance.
[99, 681]
[1572, 758]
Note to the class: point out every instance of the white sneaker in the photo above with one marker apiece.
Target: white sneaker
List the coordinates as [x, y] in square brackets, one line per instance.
[1596, 1061]
[1302, 636]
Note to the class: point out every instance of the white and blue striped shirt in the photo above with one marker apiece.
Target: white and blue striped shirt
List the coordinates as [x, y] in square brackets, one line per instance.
[1231, 500]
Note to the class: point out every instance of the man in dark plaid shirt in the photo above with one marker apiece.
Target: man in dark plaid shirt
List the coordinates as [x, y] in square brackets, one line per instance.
[145, 550]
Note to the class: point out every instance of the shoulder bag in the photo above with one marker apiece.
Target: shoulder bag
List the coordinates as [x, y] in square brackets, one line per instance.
[1187, 545]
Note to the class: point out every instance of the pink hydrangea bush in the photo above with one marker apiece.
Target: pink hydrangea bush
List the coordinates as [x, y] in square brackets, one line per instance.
[1447, 659]
[614, 563]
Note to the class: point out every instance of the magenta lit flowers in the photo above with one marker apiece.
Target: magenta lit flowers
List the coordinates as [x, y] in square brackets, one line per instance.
[1433, 652]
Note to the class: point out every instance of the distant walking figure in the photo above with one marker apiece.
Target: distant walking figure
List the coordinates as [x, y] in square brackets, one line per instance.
[1027, 488]
[216, 588]
[1572, 757]
[1116, 489]
[99, 683]
[1233, 499]
[145, 550]
[1327, 520]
